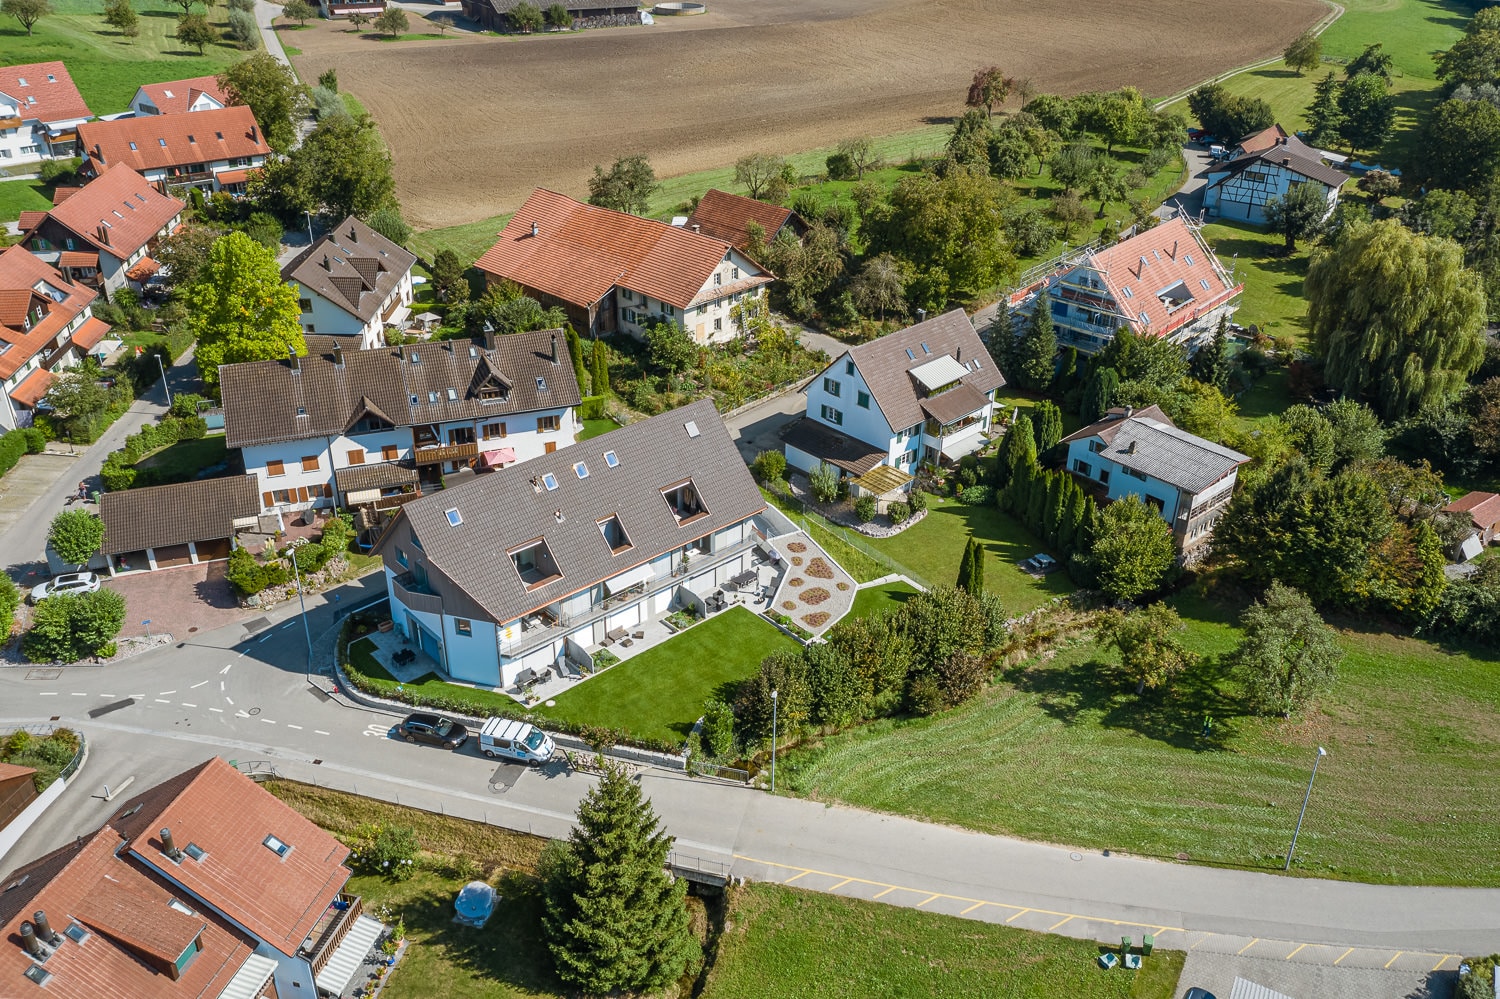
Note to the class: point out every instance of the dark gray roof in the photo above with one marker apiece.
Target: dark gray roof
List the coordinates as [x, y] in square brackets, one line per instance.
[1160, 449]
[884, 365]
[157, 516]
[1292, 154]
[832, 446]
[959, 401]
[262, 398]
[352, 266]
[510, 506]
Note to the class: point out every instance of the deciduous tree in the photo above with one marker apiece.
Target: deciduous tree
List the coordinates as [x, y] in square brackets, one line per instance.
[988, 88]
[393, 21]
[240, 310]
[1151, 652]
[192, 29]
[1305, 52]
[764, 176]
[1373, 61]
[627, 187]
[271, 91]
[358, 19]
[1073, 165]
[1069, 210]
[1460, 145]
[298, 10]
[76, 536]
[28, 12]
[526, 17]
[1297, 215]
[879, 287]
[1133, 552]
[1368, 112]
[861, 153]
[118, 14]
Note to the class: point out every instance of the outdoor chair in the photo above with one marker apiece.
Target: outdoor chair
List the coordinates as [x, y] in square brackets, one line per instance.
[1108, 961]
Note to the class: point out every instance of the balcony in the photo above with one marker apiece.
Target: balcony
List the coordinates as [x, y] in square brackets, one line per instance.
[431, 454]
[417, 596]
[330, 929]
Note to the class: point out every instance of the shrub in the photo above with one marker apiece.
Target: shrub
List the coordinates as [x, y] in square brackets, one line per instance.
[591, 407]
[10, 599]
[243, 30]
[826, 485]
[718, 729]
[73, 627]
[59, 171]
[841, 166]
[244, 573]
[1479, 983]
[389, 851]
[864, 509]
[326, 103]
[924, 695]
[76, 536]
[978, 495]
[185, 404]
[769, 466]
[899, 512]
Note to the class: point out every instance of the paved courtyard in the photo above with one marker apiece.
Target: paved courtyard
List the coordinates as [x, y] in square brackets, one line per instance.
[1303, 980]
[180, 601]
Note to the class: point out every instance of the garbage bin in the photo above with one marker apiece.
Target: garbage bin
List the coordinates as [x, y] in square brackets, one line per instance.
[1124, 946]
[1147, 942]
[95, 497]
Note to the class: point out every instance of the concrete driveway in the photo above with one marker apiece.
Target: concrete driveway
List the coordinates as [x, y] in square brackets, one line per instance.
[1217, 972]
[1189, 197]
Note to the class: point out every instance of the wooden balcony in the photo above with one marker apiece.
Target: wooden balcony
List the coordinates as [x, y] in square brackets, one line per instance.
[431, 455]
[330, 929]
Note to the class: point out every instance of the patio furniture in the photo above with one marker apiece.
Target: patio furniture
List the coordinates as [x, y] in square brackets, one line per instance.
[638, 634]
[1108, 961]
[524, 677]
[616, 634]
[627, 642]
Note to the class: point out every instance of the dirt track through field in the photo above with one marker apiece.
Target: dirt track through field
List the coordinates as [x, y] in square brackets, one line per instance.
[475, 122]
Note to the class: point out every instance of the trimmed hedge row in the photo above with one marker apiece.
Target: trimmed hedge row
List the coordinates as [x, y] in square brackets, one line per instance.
[119, 471]
[28, 440]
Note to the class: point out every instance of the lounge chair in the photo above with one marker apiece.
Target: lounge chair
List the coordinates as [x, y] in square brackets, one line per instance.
[1108, 960]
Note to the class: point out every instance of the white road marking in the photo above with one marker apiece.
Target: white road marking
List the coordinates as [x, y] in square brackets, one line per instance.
[222, 688]
[198, 684]
[242, 714]
[79, 693]
[162, 700]
[106, 695]
[230, 700]
[297, 727]
[226, 669]
[318, 731]
[287, 625]
[187, 705]
[268, 721]
[240, 656]
[48, 693]
[137, 696]
[164, 693]
[218, 711]
[265, 638]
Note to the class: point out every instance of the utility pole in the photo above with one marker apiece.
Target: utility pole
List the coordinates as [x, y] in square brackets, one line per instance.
[1293, 849]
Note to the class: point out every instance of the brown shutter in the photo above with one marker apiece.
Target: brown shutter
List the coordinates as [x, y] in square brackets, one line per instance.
[302, 494]
[266, 499]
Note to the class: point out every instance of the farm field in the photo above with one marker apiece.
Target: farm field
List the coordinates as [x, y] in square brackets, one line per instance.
[499, 116]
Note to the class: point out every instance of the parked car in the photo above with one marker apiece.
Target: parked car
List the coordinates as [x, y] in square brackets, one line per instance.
[1197, 993]
[68, 582]
[1039, 564]
[515, 740]
[435, 730]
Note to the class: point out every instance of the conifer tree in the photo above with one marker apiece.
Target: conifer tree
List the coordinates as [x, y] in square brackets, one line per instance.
[1017, 450]
[1036, 501]
[1099, 394]
[1067, 534]
[966, 567]
[614, 921]
[1056, 512]
[601, 368]
[1036, 353]
[1048, 420]
[575, 354]
[1211, 364]
[976, 574]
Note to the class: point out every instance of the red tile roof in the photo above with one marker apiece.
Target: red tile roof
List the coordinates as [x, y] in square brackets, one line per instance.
[132, 923]
[78, 258]
[88, 335]
[277, 898]
[30, 220]
[176, 96]
[9, 771]
[33, 387]
[725, 216]
[162, 140]
[579, 252]
[20, 273]
[122, 203]
[50, 86]
[1150, 264]
[1483, 508]
[1257, 142]
[144, 268]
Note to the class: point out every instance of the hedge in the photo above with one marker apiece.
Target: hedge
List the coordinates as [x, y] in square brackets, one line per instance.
[13, 444]
[119, 471]
[591, 407]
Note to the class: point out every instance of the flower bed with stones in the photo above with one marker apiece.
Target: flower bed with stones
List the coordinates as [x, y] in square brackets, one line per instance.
[819, 569]
[814, 596]
[816, 620]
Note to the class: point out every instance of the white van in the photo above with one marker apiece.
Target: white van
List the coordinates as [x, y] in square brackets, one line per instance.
[515, 740]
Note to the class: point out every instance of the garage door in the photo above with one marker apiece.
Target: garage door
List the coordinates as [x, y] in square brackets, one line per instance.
[171, 555]
[212, 551]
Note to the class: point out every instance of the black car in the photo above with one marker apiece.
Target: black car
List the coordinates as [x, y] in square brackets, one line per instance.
[1197, 993]
[435, 730]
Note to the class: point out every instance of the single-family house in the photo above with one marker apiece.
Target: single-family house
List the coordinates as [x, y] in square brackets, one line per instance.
[534, 565]
[201, 93]
[1483, 511]
[1268, 165]
[355, 428]
[185, 523]
[615, 272]
[1162, 282]
[211, 150]
[1140, 452]
[494, 15]
[205, 886]
[102, 235]
[352, 283]
[46, 324]
[40, 111]
[920, 396]
[729, 216]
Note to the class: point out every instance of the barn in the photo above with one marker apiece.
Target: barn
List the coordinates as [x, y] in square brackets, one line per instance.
[494, 15]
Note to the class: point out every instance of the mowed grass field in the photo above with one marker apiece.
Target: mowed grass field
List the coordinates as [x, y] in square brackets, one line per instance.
[1063, 751]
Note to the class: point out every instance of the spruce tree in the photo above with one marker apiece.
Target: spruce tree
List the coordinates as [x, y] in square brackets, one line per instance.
[613, 920]
[1067, 371]
[1036, 359]
[601, 368]
[1018, 493]
[1002, 341]
[1068, 533]
[1210, 365]
[1099, 394]
[1017, 450]
[966, 566]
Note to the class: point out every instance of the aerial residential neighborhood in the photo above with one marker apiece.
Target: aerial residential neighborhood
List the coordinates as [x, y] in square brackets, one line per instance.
[739, 500]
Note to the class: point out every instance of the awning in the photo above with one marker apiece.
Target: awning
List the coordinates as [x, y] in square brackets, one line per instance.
[144, 268]
[397, 315]
[362, 496]
[882, 479]
[33, 387]
[626, 580]
[250, 979]
[90, 333]
[503, 456]
[78, 258]
[939, 372]
[955, 450]
[345, 961]
[232, 177]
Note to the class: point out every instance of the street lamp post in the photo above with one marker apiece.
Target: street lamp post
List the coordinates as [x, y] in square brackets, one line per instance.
[1293, 849]
[164, 387]
[774, 701]
[306, 631]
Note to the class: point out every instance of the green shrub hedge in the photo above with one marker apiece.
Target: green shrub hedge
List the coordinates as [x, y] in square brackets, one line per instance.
[119, 471]
[14, 443]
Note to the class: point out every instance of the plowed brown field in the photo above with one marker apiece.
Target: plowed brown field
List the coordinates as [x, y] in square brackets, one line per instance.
[475, 122]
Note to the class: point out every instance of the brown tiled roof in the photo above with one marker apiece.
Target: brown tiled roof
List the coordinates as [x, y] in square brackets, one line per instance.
[374, 475]
[959, 401]
[144, 268]
[162, 140]
[833, 446]
[57, 99]
[1483, 508]
[885, 366]
[229, 816]
[1290, 153]
[176, 96]
[119, 211]
[9, 771]
[261, 398]
[353, 267]
[1264, 139]
[20, 273]
[580, 252]
[93, 330]
[30, 220]
[1154, 261]
[725, 216]
[126, 908]
[78, 258]
[157, 516]
[503, 508]
[33, 387]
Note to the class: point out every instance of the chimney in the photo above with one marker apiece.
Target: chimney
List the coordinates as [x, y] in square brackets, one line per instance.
[31, 943]
[338, 356]
[554, 348]
[1131, 448]
[103, 233]
[921, 315]
[296, 369]
[254, 134]
[1128, 411]
[44, 928]
[533, 229]
[327, 265]
[697, 228]
[168, 847]
[958, 354]
[353, 236]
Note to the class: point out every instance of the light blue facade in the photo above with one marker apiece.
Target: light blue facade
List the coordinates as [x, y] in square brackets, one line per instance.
[1087, 459]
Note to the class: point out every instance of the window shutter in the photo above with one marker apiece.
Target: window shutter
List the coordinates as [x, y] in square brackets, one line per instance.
[266, 499]
[302, 494]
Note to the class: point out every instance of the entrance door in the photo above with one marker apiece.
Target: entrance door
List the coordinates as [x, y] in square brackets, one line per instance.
[430, 644]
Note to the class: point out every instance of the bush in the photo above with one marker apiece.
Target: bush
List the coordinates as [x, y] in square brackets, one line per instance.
[76, 536]
[10, 599]
[826, 484]
[1479, 983]
[591, 407]
[18, 442]
[337, 534]
[899, 512]
[864, 509]
[185, 405]
[326, 103]
[243, 29]
[59, 171]
[841, 166]
[73, 627]
[979, 495]
[389, 851]
[769, 466]
[717, 734]
[918, 501]
[244, 573]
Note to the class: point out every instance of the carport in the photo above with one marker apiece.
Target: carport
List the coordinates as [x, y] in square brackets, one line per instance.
[181, 524]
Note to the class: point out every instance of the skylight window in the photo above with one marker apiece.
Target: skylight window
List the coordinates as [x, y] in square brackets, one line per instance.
[301, 410]
[76, 933]
[1204, 283]
[192, 138]
[1187, 258]
[38, 974]
[432, 397]
[454, 517]
[167, 93]
[1127, 292]
[925, 349]
[179, 905]
[452, 395]
[541, 384]
[51, 78]
[473, 351]
[219, 136]
[1145, 318]
[691, 426]
[415, 400]
[550, 481]
[909, 355]
[161, 142]
[132, 145]
[611, 459]
[195, 851]
[276, 846]
[581, 470]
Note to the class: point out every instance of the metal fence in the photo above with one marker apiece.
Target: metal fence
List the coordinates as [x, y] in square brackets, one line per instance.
[722, 773]
[800, 514]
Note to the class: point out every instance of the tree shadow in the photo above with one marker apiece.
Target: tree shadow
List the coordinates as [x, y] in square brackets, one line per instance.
[1435, 985]
[939, 119]
[509, 949]
[160, 13]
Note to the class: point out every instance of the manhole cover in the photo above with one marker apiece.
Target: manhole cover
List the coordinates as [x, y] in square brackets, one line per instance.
[259, 624]
[254, 712]
[192, 629]
[43, 674]
[1075, 856]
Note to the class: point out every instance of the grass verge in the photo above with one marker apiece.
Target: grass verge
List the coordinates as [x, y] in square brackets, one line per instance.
[882, 599]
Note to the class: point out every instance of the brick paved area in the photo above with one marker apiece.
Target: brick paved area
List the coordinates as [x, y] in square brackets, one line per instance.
[181, 601]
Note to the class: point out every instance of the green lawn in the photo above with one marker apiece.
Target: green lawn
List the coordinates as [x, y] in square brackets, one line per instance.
[660, 693]
[1273, 283]
[934, 547]
[17, 196]
[1064, 751]
[882, 599]
[185, 460]
[107, 67]
[593, 428]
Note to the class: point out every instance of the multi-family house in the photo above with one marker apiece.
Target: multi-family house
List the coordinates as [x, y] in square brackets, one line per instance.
[1163, 282]
[615, 272]
[920, 396]
[537, 564]
[211, 150]
[103, 234]
[1267, 165]
[729, 216]
[1140, 452]
[46, 324]
[205, 886]
[40, 111]
[352, 283]
[201, 93]
[377, 427]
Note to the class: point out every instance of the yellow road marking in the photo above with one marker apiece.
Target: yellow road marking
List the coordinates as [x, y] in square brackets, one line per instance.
[1295, 952]
[1393, 958]
[978, 904]
[1441, 961]
[1018, 915]
[1247, 946]
[1344, 955]
[1055, 925]
[886, 892]
[794, 877]
[1197, 942]
[841, 884]
[929, 898]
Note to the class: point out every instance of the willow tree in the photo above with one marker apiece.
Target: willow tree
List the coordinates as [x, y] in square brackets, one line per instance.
[1395, 316]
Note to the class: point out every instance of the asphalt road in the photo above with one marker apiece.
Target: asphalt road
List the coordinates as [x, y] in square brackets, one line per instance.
[241, 692]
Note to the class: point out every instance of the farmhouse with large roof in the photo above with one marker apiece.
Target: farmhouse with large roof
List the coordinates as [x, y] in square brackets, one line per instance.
[40, 111]
[1269, 164]
[726, 216]
[536, 564]
[611, 271]
[210, 150]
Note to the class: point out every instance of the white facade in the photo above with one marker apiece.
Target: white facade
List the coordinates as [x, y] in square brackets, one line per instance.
[320, 315]
[1243, 197]
[141, 106]
[12, 414]
[30, 141]
[708, 320]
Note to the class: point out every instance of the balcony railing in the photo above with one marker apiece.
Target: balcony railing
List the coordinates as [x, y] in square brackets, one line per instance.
[449, 452]
[416, 596]
[330, 929]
